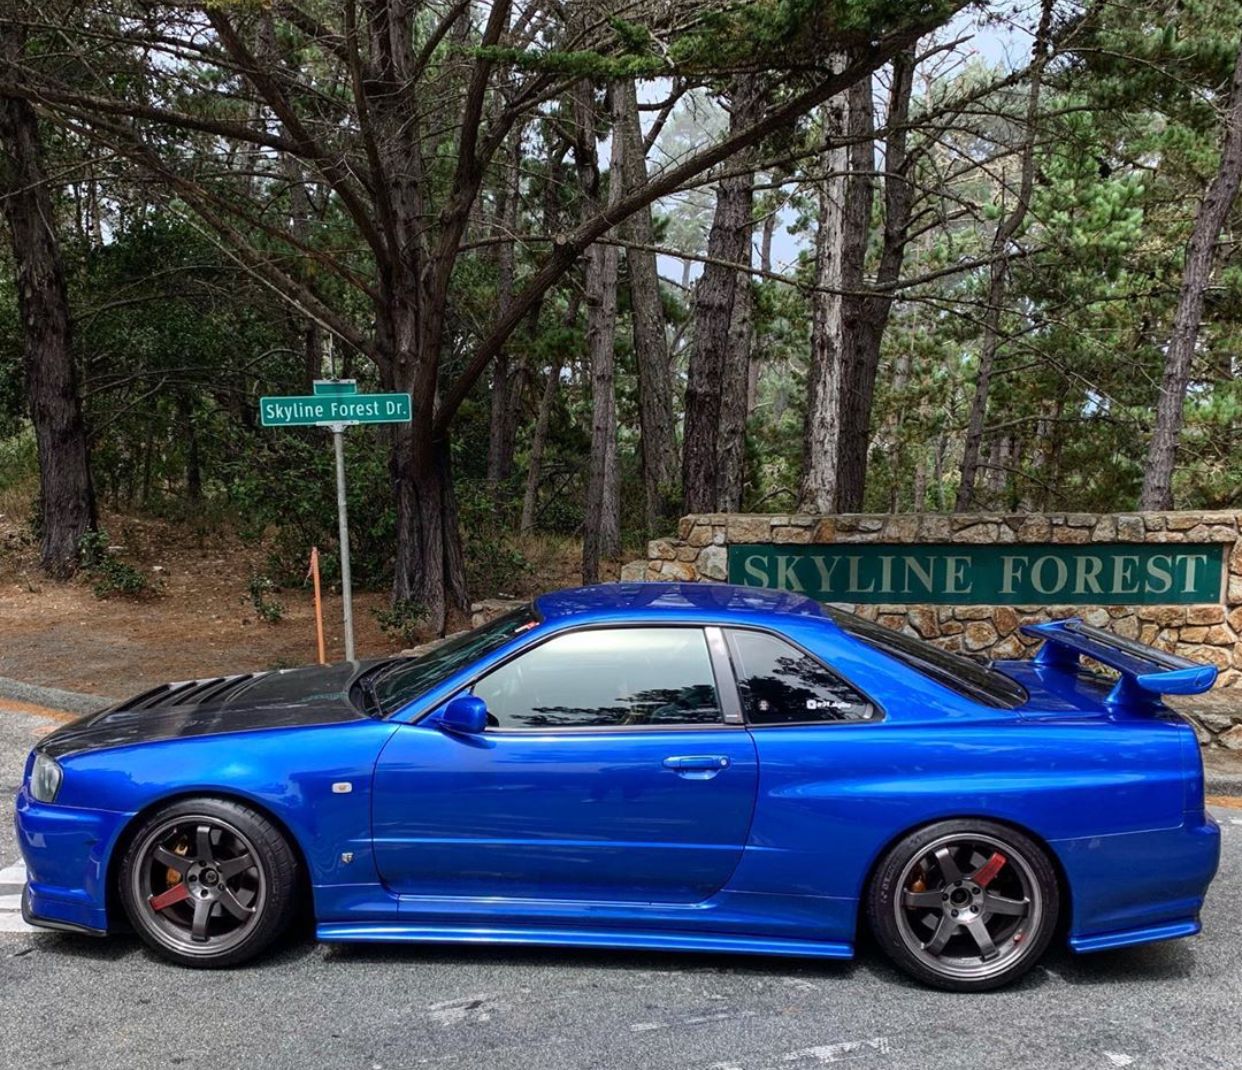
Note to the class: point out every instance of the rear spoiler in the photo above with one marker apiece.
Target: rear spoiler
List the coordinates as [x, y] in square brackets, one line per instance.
[1146, 673]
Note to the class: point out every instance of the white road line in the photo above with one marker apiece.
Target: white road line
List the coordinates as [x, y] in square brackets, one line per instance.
[12, 878]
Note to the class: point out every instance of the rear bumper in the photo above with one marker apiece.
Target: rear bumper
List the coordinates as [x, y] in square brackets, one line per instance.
[1139, 887]
[66, 851]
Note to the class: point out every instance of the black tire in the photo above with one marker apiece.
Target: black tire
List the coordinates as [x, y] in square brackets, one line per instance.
[952, 922]
[176, 898]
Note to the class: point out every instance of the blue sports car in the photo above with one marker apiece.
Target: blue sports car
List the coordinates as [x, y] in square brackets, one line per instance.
[692, 767]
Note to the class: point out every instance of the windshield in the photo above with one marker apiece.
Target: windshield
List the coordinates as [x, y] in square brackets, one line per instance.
[413, 677]
[970, 678]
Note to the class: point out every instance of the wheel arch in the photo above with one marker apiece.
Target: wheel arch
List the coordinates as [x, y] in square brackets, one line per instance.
[1064, 892]
[112, 899]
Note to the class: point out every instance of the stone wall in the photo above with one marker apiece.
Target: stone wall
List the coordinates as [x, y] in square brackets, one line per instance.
[1209, 632]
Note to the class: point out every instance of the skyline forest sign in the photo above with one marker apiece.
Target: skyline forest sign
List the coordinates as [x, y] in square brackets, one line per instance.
[997, 574]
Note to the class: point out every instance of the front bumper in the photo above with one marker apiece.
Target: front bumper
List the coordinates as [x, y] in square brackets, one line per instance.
[31, 918]
[66, 850]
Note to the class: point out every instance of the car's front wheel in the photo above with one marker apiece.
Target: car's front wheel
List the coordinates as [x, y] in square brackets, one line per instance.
[208, 882]
[964, 905]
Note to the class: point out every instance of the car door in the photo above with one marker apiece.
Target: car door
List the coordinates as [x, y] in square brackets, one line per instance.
[615, 766]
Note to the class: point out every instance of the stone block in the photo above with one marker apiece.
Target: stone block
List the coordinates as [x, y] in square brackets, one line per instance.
[699, 535]
[923, 620]
[1127, 627]
[1071, 536]
[934, 527]
[633, 571]
[1081, 520]
[791, 535]
[1131, 529]
[979, 634]
[679, 571]
[1035, 528]
[749, 528]
[1105, 530]
[713, 562]
[1231, 739]
[903, 527]
[977, 534]
[825, 529]
[661, 550]
[1205, 615]
[1005, 620]
[1010, 647]
[1097, 618]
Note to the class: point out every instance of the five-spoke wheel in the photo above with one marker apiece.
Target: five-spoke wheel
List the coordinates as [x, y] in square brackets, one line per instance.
[208, 882]
[965, 905]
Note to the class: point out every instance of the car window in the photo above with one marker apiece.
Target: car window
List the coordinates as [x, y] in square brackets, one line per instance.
[977, 681]
[606, 678]
[781, 684]
[409, 678]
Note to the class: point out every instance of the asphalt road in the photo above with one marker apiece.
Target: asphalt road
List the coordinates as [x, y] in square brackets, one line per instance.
[77, 1002]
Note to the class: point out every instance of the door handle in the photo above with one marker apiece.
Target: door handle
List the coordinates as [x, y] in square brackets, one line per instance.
[697, 766]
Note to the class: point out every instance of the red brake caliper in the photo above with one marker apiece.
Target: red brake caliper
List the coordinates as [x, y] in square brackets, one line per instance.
[174, 894]
[985, 874]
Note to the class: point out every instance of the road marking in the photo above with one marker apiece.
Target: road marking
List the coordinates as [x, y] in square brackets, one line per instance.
[1117, 1059]
[12, 880]
[835, 1053]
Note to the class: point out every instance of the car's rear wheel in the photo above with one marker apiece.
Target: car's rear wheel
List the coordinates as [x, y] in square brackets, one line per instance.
[208, 882]
[964, 905]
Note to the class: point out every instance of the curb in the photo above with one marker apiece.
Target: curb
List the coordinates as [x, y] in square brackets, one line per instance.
[1222, 777]
[52, 697]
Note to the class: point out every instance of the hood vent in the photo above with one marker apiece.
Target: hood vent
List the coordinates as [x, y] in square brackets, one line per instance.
[186, 693]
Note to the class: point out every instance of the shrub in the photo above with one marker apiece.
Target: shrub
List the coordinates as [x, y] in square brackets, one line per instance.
[266, 608]
[108, 573]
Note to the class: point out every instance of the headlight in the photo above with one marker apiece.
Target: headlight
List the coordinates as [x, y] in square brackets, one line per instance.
[45, 779]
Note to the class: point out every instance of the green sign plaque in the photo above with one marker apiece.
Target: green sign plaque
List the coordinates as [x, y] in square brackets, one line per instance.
[1005, 574]
[334, 409]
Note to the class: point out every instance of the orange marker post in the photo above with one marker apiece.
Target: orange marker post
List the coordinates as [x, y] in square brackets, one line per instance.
[314, 574]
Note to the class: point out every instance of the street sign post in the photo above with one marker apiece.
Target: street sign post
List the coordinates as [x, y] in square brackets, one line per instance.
[336, 405]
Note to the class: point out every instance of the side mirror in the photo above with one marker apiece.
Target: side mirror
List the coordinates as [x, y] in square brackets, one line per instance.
[465, 714]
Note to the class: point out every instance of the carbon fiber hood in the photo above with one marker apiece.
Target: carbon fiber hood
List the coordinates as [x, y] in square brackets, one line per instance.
[315, 695]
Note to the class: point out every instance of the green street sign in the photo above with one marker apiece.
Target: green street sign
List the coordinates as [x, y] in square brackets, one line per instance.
[1004, 574]
[334, 408]
[336, 386]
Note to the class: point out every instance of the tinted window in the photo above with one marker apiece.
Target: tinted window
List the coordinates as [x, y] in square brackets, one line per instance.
[973, 679]
[606, 678]
[782, 685]
[411, 677]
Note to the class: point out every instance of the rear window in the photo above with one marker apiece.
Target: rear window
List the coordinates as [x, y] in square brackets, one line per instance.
[976, 680]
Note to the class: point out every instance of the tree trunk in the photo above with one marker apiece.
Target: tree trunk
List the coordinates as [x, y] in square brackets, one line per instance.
[602, 520]
[1213, 212]
[503, 427]
[733, 402]
[999, 272]
[538, 443]
[866, 318]
[67, 500]
[822, 430]
[658, 439]
[713, 312]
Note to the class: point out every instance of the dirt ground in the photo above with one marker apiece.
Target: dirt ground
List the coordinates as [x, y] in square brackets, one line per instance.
[201, 624]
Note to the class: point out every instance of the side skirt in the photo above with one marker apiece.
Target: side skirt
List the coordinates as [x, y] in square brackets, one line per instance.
[369, 932]
[1129, 937]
